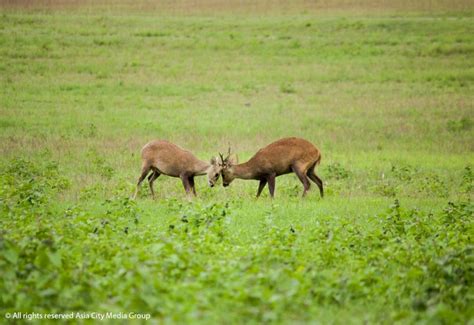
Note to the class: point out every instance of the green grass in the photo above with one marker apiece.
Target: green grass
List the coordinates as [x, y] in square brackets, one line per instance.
[388, 99]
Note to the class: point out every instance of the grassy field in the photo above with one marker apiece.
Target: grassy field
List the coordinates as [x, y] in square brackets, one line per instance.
[387, 96]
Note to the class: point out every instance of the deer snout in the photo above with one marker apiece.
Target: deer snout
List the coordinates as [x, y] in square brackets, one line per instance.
[225, 184]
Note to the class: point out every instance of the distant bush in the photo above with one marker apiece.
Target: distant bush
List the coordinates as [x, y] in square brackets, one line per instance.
[410, 180]
[463, 124]
[287, 88]
[100, 165]
[336, 171]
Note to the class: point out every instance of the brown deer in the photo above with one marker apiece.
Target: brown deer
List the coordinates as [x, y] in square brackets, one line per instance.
[163, 157]
[278, 158]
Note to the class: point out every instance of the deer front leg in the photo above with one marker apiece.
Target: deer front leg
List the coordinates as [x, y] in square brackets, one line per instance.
[261, 186]
[191, 183]
[186, 184]
[271, 184]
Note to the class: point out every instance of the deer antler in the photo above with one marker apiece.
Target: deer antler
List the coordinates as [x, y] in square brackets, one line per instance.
[222, 158]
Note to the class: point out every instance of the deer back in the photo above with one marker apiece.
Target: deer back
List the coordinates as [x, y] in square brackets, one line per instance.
[169, 158]
[279, 156]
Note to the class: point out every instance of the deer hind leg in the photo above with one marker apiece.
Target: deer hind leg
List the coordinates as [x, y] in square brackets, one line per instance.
[302, 176]
[153, 176]
[312, 175]
[145, 170]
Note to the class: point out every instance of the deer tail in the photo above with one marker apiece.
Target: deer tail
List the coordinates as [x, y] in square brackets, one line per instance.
[318, 161]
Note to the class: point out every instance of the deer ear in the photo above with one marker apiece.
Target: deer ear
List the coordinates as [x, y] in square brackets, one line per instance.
[233, 159]
[214, 161]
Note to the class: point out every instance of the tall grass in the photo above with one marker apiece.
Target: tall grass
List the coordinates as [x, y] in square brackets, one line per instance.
[243, 6]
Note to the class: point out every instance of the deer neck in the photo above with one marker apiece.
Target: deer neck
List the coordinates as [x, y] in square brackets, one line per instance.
[201, 168]
[244, 171]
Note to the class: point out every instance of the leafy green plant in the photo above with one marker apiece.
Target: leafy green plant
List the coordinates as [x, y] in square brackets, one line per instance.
[467, 184]
[25, 184]
[404, 172]
[386, 188]
[433, 185]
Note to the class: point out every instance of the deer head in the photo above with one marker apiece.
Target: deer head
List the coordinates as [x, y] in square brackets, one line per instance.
[227, 165]
[214, 171]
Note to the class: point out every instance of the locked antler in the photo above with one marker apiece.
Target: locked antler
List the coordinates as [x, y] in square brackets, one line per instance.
[226, 159]
[222, 158]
